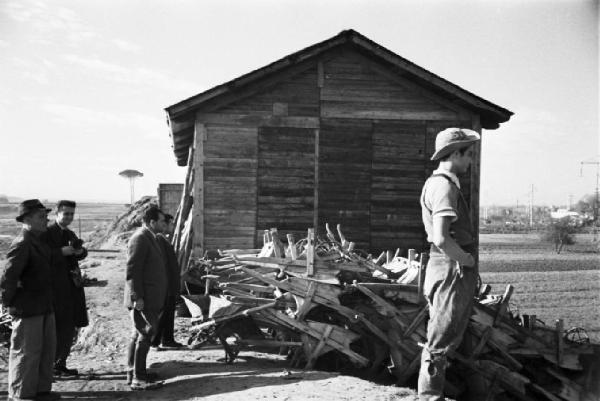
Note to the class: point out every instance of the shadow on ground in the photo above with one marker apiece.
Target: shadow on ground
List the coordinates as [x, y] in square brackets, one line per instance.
[185, 380]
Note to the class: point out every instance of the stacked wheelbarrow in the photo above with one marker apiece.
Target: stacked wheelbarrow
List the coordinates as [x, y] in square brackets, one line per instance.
[328, 306]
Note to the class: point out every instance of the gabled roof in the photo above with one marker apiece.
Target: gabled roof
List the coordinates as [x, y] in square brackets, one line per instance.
[491, 114]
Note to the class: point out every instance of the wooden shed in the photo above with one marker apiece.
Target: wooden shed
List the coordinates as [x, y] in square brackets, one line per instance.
[339, 132]
[169, 196]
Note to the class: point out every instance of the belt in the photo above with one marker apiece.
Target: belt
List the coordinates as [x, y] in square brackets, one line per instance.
[468, 248]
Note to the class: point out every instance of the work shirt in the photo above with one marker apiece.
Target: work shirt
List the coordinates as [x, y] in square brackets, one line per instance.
[441, 197]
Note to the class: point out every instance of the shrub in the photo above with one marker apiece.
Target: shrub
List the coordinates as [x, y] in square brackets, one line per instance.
[560, 233]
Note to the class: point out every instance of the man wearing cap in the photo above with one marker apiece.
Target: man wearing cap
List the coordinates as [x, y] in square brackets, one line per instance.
[451, 275]
[145, 295]
[165, 332]
[69, 298]
[26, 290]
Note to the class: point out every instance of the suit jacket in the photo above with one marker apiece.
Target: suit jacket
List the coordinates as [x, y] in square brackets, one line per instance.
[146, 273]
[69, 300]
[26, 281]
[173, 271]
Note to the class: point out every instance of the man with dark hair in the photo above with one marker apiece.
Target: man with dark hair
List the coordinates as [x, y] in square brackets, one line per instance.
[26, 290]
[165, 334]
[451, 275]
[145, 294]
[69, 297]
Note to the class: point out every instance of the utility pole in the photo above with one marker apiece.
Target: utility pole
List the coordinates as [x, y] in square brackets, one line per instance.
[531, 207]
[597, 164]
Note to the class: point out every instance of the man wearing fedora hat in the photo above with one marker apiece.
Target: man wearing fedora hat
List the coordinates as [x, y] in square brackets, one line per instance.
[451, 275]
[26, 290]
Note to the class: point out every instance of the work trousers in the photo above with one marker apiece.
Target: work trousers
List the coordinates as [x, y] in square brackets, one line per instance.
[165, 333]
[450, 296]
[144, 328]
[31, 355]
[65, 334]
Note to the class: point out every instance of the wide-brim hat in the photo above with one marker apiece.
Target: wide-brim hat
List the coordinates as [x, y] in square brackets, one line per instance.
[451, 139]
[29, 206]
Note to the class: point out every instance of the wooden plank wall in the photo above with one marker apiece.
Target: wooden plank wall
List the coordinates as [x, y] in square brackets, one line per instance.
[403, 118]
[238, 197]
[345, 177]
[397, 178]
[286, 179]
[230, 168]
[375, 133]
[298, 92]
[354, 89]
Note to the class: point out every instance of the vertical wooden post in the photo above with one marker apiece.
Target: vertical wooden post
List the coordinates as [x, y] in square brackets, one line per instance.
[412, 255]
[316, 190]
[503, 306]
[320, 84]
[475, 184]
[198, 193]
[310, 253]
[320, 74]
[277, 245]
[525, 321]
[292, 246]
[560, 346]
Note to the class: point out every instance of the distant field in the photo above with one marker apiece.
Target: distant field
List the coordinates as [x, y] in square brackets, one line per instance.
[548, 285]
[88, 217]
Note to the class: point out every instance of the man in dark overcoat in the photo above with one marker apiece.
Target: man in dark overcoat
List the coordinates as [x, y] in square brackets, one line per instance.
[145, 294]
[165, 332]
[26, 291]
[69, 297]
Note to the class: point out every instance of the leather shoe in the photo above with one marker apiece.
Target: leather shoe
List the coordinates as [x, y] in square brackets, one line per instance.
[48, 396]
[64, 371]
[171, 344]
[149, 376]
[140, 384]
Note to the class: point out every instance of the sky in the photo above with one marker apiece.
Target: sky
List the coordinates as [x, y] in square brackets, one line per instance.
[84, 84]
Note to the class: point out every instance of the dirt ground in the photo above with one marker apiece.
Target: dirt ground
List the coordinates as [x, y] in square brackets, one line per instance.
[99, 355]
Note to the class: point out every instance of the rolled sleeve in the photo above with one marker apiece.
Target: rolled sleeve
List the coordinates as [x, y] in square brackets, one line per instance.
[443, 199]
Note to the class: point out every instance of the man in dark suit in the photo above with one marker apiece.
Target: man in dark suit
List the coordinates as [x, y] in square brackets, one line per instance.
[145, 294]
[69, 297]
[165, 334]
[26, 291]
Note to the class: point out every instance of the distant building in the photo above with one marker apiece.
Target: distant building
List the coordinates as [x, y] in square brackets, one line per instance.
[562, 213]
[169, 196]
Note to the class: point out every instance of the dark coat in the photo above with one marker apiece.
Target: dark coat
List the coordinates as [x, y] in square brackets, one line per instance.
[173, 271]
[146, 273]
[26, 282]
[69, 299]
